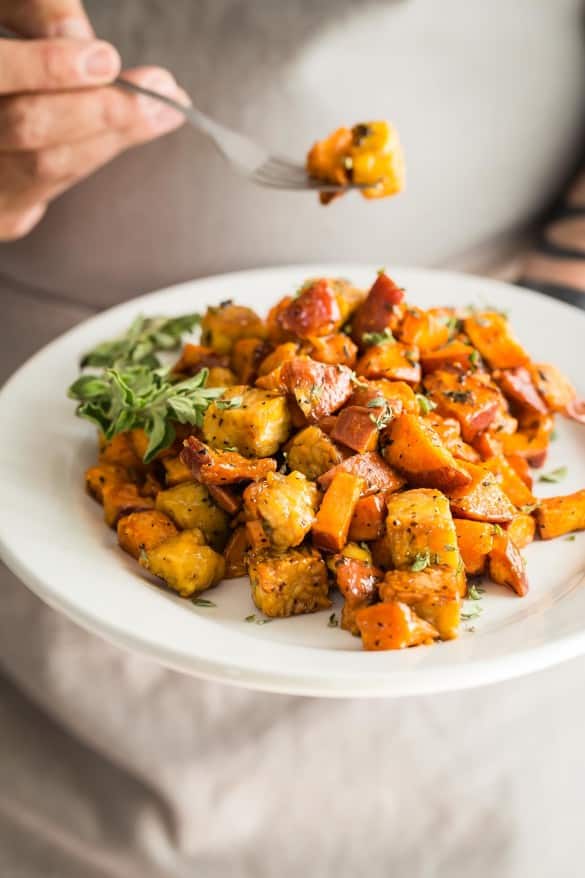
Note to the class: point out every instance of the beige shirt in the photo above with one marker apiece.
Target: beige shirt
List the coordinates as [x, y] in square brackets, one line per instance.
[143, 772]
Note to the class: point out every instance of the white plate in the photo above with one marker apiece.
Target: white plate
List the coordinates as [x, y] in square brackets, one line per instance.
[53, 537]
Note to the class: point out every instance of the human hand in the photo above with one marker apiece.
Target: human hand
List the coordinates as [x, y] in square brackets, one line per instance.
[59, 118]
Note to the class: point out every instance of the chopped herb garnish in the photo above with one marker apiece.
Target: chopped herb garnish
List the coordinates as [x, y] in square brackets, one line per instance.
[333, 621]
[378, 338]
[461, 396]
[425, 404]
[453, 325]
[475, 592]
[383, 419]
[554, 435]
[423, 560]
[556, 475]
[570, 538]
[474, 359]
[497, 530]
[256, 620]
[475, 611]
[377, 402]
[226, 404]
[202, 602]
[381, 271]
[412, 357]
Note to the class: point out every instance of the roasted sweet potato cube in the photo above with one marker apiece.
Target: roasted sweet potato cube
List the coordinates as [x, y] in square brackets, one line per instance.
[449, 432]
[331, 526]
[521, 529]
[121, 499]
[257, 537]
[392, 626]
[368, 518]
[433, 594]
[227, 499]
[556, 516]
[377, 475]
[423, 329]
[475, 540]
[531, 441]
[190, 506]
[195, 357]
[414, 449]
[382, 309]
[120, 451]
[314, 312]
[176, 471]
[483, 499]
[285, 351]
[506, 565]
[522, 468]
[102, 476]
[394, 361]
[312, 453]
[509, 480]
[333, 349]
[235, 553]
[398, 395]
[222, 467]
[255, 422]
[358, 583]
[224, 324]
[142, 531]
[318, 389]
[556, 390]
[356, 428]
[286, 506]
[517, 386]
[246, 356]
[184, 564]
[289, 583]
[456, 354]
[467, 398]
[492, 335]
[420, 530]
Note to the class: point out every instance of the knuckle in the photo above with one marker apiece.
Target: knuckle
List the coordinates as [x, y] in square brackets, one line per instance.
[24, 122]
[48, 165]
[54, 61]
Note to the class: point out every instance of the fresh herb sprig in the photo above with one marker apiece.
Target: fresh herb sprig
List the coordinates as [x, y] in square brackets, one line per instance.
[146, 337]
[138, 396]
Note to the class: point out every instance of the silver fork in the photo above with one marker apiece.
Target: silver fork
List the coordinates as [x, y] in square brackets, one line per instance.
[247, 157]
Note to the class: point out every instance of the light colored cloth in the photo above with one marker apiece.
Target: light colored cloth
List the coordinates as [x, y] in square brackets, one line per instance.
[113, 766]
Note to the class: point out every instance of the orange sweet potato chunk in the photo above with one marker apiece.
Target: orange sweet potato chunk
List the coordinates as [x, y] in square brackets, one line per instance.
[433, 594]
[368, 518]
[509, 480]
[424, 330]
[356, 428]
[521, 529]
[235, 553]
[382, 309]
[492, 335]
[506, 565]
[372, 468]
[143, 531]
[475, 540]
[414, 449]
[470, 399]
[556, 516]
[393, 625]
[394, 361]
[455, 354]
[331, 526]
[482, 499]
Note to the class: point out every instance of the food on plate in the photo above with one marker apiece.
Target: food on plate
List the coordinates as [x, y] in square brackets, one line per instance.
[358, 445]
[369, 155]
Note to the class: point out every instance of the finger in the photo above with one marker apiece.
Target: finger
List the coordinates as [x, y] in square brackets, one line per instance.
[52, 65]
[27, 179]
[46, 18]
[34, 122]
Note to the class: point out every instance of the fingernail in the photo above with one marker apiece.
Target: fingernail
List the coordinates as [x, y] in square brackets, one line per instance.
[164, 84]
[73, 28]
[101, 62]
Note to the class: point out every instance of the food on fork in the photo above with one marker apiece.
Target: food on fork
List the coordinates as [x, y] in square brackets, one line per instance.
[391, 480]
[369, 155]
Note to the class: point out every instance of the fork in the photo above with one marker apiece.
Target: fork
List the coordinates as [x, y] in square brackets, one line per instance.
[247, 157]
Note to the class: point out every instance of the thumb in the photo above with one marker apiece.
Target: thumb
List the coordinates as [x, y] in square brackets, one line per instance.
[47, 18]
